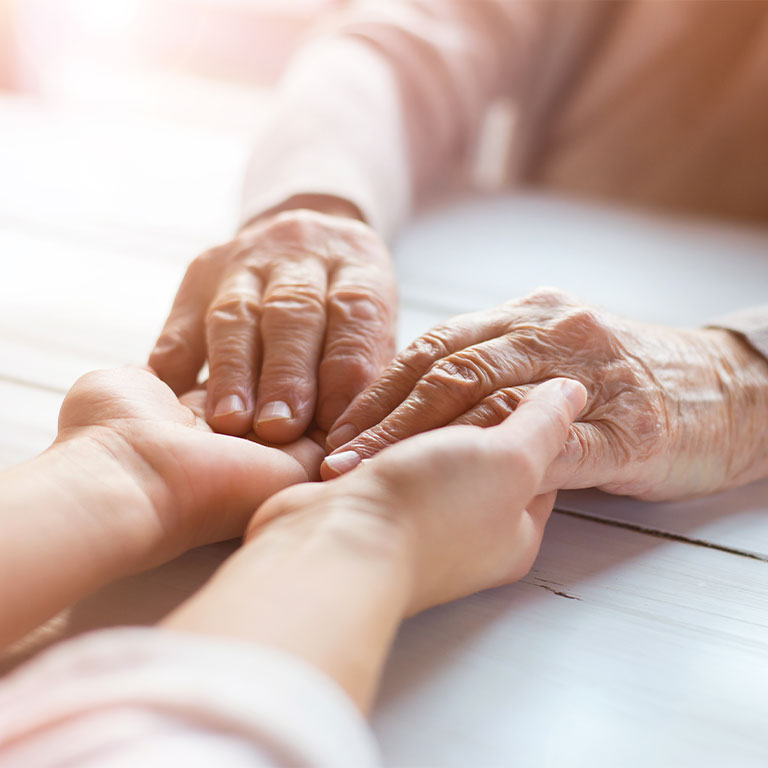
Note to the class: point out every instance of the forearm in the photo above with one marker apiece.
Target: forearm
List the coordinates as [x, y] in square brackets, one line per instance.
[390, 104]
[68, 527]
[336, 133]
[310, 585]
[744, 384]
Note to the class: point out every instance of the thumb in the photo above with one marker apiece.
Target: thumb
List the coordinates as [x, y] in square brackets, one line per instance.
[525, 444]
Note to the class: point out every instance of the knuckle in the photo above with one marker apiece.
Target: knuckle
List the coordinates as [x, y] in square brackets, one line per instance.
[462, 373]
[549, 296]
[234, 310]
[229, 360]
[503, 402]
[423, 352]
[379, 437]
[583, 320]
[360, 304]
[287, 375]
[226, 378]
[482, 415]
[583, 332]
[353, 370]
[303, 231]
[172, 342]
[297, 300]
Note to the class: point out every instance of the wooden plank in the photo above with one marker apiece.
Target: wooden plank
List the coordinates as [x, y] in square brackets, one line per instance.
[115, 174]
[477, 254]
[736, 519]
[28, 419]
[660, 657]
[614, 639]
[71, 308]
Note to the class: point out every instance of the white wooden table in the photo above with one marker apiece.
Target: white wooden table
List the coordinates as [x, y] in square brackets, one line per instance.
[641, 635]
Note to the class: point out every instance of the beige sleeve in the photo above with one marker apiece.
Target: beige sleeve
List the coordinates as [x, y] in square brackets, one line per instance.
[382, 107]
[750, 323]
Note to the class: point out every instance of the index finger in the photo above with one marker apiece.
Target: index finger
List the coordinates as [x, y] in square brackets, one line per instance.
[179, 351]
[398, 380]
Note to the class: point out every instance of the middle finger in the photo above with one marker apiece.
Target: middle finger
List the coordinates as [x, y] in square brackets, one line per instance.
[292, 331]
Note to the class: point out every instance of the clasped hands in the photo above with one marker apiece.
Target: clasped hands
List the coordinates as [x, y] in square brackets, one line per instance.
[296, 320]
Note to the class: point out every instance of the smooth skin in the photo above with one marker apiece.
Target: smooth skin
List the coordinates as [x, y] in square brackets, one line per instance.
[295, 316]
[672, 412]
[328, 572]
[134, 479]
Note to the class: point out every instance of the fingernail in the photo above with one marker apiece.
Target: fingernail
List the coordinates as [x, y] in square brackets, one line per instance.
[277, 410]
[331, 408]
[229, 404]
[341, 436]
[575, 393]
[343, 462]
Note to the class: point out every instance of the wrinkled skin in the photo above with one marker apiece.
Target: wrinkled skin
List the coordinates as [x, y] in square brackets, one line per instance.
[295, 317]
[458, 506]
[671, 412]
[197, 487]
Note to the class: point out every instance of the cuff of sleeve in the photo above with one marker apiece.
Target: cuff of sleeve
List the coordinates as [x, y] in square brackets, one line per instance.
[341, 186]
[750, 323]
[280, 704]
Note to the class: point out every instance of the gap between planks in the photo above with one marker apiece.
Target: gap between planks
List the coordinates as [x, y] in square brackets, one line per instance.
[21, 382]
[648, 531]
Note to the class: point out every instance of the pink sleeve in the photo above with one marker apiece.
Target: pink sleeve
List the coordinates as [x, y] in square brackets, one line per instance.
[378, 110]
[151, 697]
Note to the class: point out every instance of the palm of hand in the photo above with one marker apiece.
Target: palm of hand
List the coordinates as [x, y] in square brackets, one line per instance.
[201, 487]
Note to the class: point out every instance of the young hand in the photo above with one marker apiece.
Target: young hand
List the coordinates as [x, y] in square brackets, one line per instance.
[328, 571]
[193, 486]
[460, 503]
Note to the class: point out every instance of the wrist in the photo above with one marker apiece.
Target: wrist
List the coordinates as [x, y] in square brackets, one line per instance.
[72, 522]
[315, 579]
[743, 382]
[117, 493]
[328, 205]
[349, 519]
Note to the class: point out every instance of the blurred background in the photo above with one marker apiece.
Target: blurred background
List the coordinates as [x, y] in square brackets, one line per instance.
[163, 56]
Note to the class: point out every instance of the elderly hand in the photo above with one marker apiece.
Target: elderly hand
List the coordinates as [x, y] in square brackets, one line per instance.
[295, 316]
[671, 413]
[456, 509]
[193, 487]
